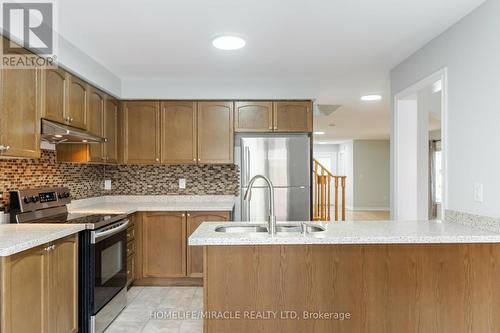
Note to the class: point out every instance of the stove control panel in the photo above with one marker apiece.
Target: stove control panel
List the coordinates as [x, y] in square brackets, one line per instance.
[40, 198]
[47, 197]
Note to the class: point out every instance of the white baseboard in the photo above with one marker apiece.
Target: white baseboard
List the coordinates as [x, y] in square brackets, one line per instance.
[378, 209]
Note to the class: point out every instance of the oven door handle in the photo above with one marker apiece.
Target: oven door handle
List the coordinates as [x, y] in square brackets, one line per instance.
[116, 228]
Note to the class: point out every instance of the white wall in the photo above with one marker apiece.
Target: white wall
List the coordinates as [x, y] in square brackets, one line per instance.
[347, 149]
[471, 52]
[327, 151]
[371, 174]
[79, 63]
[217, 88]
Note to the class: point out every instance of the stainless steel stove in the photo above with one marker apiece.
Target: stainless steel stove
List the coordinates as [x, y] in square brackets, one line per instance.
[102, 251]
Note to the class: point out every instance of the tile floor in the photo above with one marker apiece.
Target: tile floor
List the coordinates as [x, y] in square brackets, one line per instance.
[146, 302]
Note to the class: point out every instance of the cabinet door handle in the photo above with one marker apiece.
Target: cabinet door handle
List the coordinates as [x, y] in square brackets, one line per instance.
[49, 248]
[157, 159]
[188, 214]
[183, 215]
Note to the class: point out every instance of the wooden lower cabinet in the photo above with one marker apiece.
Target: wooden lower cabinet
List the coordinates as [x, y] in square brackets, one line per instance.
[195, 253]
[162, 256]
[131, 245]
[130, 271]
[39, 289]
[63, 286]
[164, 244]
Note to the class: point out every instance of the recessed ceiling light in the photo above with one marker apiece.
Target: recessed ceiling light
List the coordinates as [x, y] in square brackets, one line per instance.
[84, 141]
[322, 143]
[370, 98]
[228, 43]
[319, 133]
[58, 136]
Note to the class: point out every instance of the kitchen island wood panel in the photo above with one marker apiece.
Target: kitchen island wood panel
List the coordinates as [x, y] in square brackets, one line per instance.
[383, 288]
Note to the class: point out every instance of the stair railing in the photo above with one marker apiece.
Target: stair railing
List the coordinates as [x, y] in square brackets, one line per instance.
[323, 180]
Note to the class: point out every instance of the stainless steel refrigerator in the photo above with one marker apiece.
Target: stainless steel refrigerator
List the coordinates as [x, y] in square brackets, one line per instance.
[286, 161]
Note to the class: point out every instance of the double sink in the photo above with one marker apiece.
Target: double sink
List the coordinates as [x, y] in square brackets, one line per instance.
[303, 228]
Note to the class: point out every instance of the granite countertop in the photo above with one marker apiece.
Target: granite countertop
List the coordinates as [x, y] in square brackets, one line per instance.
[131, 204]
[355, 232]
[15, 238]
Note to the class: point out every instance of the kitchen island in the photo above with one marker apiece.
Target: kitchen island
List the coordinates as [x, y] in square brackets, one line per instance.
[376, 276]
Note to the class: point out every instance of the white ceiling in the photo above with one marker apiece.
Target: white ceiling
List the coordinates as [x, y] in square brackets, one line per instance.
[339, 49]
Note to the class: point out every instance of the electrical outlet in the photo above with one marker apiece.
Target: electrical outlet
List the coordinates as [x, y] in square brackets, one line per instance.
[478, 192]
[107, 184]
[182, 183]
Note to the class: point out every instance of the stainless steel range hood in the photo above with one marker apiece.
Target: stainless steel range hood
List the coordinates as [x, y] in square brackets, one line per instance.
[58, 133]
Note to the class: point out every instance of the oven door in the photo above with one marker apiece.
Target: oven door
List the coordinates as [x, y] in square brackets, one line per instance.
[110, 262]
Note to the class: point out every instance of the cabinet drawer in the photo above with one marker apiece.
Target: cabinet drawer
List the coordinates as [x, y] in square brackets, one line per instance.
[130, 233]
[130, 270]
[130, 248]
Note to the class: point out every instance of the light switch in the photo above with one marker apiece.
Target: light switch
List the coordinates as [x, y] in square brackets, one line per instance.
[478, 192]
[182, 183]
[107, 184]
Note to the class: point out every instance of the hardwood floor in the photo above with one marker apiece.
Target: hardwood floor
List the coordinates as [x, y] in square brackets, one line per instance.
[367, 215]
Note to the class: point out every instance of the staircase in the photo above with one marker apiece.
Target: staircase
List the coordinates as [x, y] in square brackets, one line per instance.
[323, 181]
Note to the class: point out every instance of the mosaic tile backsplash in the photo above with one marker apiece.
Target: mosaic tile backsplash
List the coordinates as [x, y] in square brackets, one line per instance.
[83, 180]
[87, 181]
[164, 179]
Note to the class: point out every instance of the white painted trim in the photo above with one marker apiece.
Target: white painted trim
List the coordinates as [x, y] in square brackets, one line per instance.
[441, 74]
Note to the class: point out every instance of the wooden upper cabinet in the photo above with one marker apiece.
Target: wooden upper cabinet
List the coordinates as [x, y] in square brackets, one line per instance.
[164, 244]
[253, 116]
[178, 132]
[25, 292]
[293, 116]
[215, 132]
[95, 125]
[78, 102]
[111, 130]
[20, 112]
[55, 106]
[195, 253]
[141, 124]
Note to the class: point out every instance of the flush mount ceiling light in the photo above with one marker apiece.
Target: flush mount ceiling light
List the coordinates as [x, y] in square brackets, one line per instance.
[319, 133]
[228, 43]
[371, 98]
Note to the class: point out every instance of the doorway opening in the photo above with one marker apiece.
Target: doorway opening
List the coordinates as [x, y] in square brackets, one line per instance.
[419, 150]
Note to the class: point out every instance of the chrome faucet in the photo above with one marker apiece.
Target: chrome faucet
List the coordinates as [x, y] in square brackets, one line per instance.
[271, 222]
